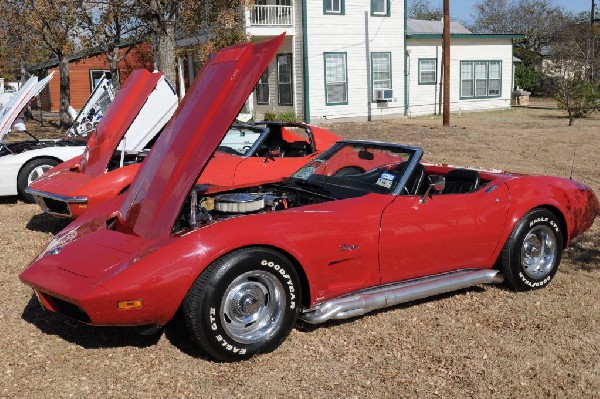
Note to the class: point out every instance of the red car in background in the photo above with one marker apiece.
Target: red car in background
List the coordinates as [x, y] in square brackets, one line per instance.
[250, 153]
[243, 264]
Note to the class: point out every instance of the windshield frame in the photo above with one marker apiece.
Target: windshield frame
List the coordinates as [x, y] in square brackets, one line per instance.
[415, 158]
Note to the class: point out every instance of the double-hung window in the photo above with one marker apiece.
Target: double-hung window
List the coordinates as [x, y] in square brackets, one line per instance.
[381, 67]
[380, 8]
[336, 79]
[262, 88]
[480, 79]
[333, 7]
[284, 79]
[427, 71]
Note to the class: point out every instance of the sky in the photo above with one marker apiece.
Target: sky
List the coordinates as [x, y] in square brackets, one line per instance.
[462, 10]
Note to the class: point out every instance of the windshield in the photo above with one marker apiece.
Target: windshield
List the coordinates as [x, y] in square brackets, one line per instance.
[353, 168]
[240, 140]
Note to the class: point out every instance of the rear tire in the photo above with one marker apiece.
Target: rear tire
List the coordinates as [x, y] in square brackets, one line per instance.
[532, 253]
[30, 172]
[244, 303]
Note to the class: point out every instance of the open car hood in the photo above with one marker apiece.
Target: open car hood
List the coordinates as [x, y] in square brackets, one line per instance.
[191, 137]
[94, 108]
[19, 101]
[139, 111]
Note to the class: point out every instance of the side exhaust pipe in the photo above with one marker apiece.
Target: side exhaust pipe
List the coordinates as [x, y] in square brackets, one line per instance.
[365, 301]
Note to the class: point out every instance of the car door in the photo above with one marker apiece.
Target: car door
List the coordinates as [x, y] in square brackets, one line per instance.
[446, 232]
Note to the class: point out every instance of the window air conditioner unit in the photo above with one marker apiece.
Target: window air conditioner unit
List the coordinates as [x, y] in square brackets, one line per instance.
[384, 94]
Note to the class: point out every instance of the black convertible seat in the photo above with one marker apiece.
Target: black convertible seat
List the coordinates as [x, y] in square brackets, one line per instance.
[297, 149]
[460, 181]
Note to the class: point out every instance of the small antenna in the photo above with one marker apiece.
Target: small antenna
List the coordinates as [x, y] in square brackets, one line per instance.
[574, 151]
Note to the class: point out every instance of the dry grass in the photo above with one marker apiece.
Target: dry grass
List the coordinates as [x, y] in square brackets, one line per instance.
[480, 342]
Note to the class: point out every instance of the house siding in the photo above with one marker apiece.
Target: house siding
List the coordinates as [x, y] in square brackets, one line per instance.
[347, 34]
[424, 99]
[79, 74]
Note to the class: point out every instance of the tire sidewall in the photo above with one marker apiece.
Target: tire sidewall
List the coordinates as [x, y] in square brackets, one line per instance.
[24, 173]
[516, 270]
[219, 343]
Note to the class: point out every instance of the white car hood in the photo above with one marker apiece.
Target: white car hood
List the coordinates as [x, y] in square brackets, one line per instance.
[19, 101]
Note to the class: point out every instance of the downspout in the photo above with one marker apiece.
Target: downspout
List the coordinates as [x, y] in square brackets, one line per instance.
[305, 64]
[405, 60]
[512, 70]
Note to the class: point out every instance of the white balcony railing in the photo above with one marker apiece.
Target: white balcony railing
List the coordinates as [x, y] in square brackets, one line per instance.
[267, 15]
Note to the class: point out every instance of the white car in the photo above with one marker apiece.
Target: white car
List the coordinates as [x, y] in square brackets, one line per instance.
[23, 162]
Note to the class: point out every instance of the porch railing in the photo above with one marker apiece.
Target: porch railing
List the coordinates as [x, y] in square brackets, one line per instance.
[266, 15]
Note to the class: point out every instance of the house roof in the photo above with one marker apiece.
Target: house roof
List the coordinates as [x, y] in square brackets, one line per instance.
[421, 29]
[416, 26]
[53, 62]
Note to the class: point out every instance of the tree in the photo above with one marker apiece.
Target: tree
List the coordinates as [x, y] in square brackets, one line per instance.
[573, 60]
[53, 24]
[115, 27]
[538, 20]
[423, 9]
[198, 18]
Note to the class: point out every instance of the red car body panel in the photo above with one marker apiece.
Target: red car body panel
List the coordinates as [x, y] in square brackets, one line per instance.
[191, 137]
[128, 250]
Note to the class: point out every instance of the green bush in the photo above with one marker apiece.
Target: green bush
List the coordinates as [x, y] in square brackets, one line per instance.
[527, 79]
[280, 117]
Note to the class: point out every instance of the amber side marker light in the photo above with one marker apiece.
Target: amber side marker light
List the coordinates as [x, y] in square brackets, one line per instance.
[84, 205]
[134, 304]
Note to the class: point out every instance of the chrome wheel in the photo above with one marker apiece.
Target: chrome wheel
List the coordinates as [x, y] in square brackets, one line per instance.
[253, 306]
[538, 252]
[37, 172]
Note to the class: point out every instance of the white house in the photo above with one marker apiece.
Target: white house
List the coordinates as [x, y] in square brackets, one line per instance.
[481, 68]
[365, 60]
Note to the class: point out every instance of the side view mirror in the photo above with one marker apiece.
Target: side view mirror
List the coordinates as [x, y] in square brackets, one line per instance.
[437, 183]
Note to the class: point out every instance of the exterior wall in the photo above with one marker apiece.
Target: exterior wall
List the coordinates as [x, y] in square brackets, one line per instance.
[288, 46]
[356, 33]
[79, 73]
[424, 99]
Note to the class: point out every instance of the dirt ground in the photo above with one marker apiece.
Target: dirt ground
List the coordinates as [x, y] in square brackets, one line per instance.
[481, 342]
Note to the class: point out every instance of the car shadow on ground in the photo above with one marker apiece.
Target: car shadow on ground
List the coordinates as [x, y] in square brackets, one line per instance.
[305, 327]
[11, 199]
[89, 337]
[177, 334]
[584, 253]
[46, 223]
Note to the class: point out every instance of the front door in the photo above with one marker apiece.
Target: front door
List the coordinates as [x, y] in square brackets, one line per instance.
[447, 232]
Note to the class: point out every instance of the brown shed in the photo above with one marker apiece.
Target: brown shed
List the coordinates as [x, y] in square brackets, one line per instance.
[85, 69]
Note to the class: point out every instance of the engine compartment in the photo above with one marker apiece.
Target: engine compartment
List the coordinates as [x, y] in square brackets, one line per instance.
[200, 209]
[19, 147]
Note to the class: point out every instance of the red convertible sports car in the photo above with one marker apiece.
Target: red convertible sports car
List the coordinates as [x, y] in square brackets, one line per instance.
[250, 153]
[363, 226]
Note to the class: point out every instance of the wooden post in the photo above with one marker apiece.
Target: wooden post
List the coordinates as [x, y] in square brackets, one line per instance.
[446, 56]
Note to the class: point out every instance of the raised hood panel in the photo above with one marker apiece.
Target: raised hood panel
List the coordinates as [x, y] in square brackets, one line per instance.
[120, 115]
[19, 100]
[191, 137]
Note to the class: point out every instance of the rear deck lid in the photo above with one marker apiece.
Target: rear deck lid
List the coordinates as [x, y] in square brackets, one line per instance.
[192, 136]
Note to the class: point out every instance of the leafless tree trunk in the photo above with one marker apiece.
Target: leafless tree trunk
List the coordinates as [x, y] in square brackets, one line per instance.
[164, 50]
[65, 91]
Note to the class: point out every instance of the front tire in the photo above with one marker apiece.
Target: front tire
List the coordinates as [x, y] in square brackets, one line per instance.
[244, 303]
[531, 256]
[30, 172]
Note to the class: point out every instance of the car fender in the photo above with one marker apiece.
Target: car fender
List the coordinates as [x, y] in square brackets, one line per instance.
[106, 186]
[574, 203]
